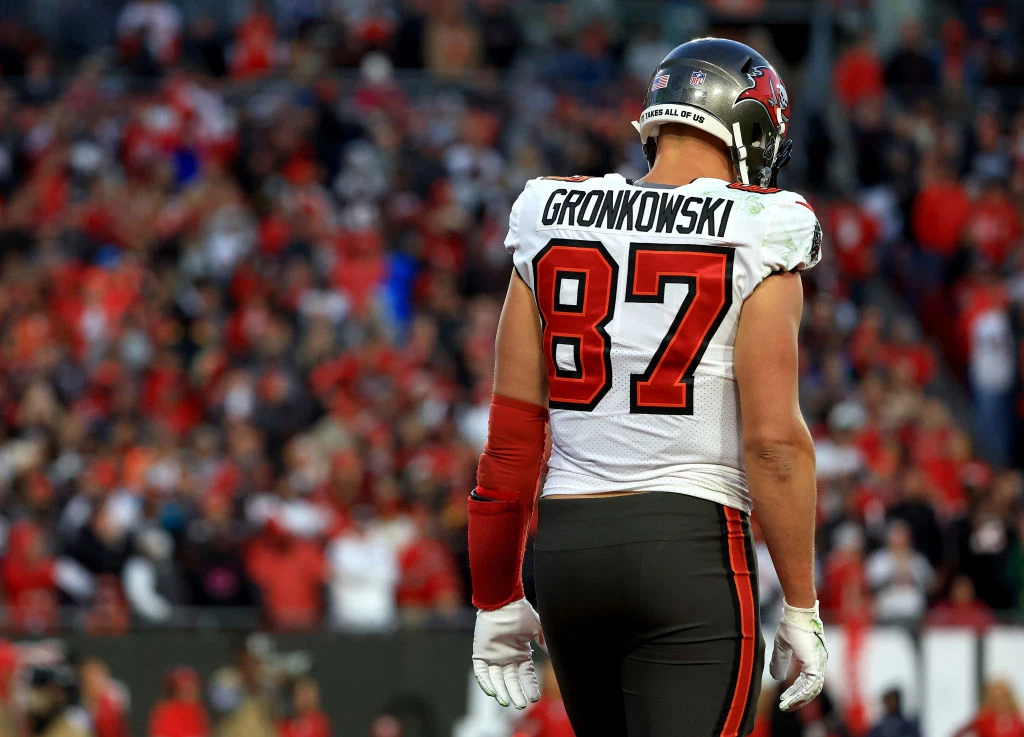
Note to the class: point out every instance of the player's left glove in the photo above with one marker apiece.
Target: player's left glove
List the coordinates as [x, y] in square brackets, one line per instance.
[800, 636]
[502, 655]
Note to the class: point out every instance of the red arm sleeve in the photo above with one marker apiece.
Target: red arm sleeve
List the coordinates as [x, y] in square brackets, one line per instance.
[501, 506]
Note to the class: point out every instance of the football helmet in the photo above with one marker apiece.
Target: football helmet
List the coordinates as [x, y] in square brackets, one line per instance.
[727, 89]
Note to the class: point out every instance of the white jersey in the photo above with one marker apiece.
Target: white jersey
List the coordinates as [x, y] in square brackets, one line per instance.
[639, 289]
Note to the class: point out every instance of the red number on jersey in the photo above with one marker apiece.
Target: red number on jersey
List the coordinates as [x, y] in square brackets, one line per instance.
[575, 283]
[666, 387]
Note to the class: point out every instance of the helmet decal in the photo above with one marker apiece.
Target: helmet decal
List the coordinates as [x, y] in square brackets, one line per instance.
[768, 90]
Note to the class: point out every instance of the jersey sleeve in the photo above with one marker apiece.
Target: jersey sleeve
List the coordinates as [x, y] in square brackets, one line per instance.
[791, 239]
[513, 241]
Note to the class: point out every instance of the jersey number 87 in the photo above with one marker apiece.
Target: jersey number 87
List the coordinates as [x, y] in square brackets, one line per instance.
[575, 320]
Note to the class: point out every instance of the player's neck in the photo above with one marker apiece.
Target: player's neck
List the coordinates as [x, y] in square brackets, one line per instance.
[684, 158]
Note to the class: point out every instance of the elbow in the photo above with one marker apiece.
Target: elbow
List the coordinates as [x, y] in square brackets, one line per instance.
[777, 453]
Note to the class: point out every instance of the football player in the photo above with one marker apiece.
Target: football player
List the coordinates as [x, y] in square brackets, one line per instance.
[655, 322]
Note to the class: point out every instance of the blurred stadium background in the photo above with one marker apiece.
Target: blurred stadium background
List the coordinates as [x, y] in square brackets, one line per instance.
[250, 271]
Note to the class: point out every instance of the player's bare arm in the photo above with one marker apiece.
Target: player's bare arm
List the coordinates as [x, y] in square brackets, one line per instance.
[777, 446]
[519, 371]
[779, 457]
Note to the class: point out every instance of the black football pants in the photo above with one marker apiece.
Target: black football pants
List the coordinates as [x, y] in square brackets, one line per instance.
[649, 609]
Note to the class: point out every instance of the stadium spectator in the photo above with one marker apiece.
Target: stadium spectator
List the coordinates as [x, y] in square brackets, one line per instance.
[854, 234]
[501, 32]
[546, 717]
[839, 457]
[29, 579]
[289, 572]
[307, 719]
[844, 585]
[33, 579]
[106, 700]
[428, 582]
[990, 160]
[213, 562]
[911, 66]
[386, 725]
[821, 716]
[181, 713]
[9, 674]
[151, 583]
[999, 715]
[962, 608]
[941, 213]
[900, 577]
[858, 72]
[51, 709]
[915, 505]
[982, 540]
[363, 573]
[108, 616]
[256, 50]
[893, 722]
[149, 32]
[244, 698]
[102, 545]
[994, 227]
[991, 375]
[452, 45]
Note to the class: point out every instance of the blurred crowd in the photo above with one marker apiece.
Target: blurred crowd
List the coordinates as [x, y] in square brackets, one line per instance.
[250, 278]
[48, 691]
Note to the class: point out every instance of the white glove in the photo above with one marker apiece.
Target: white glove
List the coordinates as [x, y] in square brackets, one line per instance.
[800, 636]
[502, 656]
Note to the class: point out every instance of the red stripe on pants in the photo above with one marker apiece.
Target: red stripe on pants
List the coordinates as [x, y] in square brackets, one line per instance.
[745, 594]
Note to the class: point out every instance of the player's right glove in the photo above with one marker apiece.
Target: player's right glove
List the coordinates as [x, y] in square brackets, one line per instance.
[502, 655]
[800, 636]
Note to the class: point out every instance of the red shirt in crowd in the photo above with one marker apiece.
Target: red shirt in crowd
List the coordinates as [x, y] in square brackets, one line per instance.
[941, 212]
[845, 585]
[290, 573]
[546, 718]
[943, 473]
[858, 75]
[428, 574]
[178, 718]
[255, 46]
[995, 226]
[310, 724]
[28, 580]
[854, 234]
[917, 357]
[990, 724]
[971, 614]
[110, 714]
[974, 299]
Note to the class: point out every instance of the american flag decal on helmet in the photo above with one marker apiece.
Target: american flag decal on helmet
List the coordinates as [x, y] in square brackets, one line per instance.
[660, 82]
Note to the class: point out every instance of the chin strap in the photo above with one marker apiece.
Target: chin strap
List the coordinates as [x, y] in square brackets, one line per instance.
[740, 154]
[782, 157]
[651, 151]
